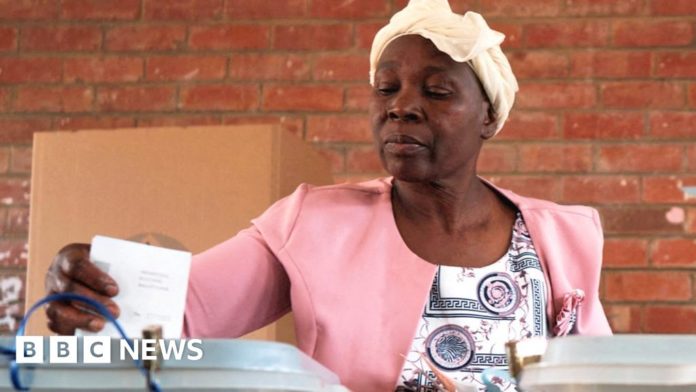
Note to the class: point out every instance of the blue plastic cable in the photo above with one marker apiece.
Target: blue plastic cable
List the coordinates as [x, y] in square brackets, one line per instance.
[14, 368]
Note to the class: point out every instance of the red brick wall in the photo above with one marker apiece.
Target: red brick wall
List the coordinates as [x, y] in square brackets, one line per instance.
[606, 115]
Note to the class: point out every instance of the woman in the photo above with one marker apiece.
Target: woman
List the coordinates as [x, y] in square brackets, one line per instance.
[397, 281]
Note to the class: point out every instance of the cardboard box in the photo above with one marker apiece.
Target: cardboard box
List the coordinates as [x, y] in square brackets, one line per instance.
[185, 188]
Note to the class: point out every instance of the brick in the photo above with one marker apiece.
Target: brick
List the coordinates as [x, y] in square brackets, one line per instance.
[691, 158]
[513, 34]
[5, 95]
[335, 156]
[13, 253]
[342, 67]
[224, 37]
[179, 120]
[625, 253]
[567, 33]
[220, 97]
[365, 33]
[339, 128]
[601, 189]
[643, 219]
[497, 158]
[670, 319]
[259, 66]
[676, 65]
[288, 97]
[555, 158]
[604, 7]
[610, 64]
[665, 189]
[30, 70]
[101, 121]
[14, 191]
[654, 286]
[100, 9]
[4, 167]
[673, 7]
[8, 39]
[103, 69]
[520, 8]
[14, 312]
[673, 124]
[18, 221]
[624, 318]
[12, 280]
[605, 125]
[245, 9]
[690, 224]
[363, 159]
[674, 252]
[539, 64]
[21, 129]
[529, 126]
[194, 10]
[185, 68]
[16, 10]
[61, 38]
[639, 158]
[556, 96]
[692, 95]
[145, 38]
[458, 6]
[20, 162]
[652, 33]
[54, 99]
[642, 95]
[136, 99]
[358, 97]
[292, 124]
[532, 186]
[355, 9]
[313, 37]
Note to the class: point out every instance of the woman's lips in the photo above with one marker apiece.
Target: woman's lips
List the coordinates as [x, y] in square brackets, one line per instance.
[403, 145]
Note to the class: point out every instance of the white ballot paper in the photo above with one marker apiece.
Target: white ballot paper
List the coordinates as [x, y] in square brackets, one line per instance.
[152, 284]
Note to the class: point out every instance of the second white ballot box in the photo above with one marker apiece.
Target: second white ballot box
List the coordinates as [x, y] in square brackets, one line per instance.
[620, 363]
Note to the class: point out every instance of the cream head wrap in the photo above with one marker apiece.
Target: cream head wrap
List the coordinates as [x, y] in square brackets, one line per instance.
[465, 38]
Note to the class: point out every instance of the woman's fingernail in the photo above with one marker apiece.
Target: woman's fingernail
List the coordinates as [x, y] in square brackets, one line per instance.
[111, 289]
[96, 325]
[113, 309]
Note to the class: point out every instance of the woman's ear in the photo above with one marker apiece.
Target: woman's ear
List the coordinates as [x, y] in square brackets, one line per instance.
[490, 123]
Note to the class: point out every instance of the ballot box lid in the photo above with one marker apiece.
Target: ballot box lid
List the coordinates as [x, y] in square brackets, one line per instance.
[235, 365]
[615, 363]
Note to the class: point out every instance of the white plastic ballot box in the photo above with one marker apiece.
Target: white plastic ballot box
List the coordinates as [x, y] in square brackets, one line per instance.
[621, 363]
[225, 365]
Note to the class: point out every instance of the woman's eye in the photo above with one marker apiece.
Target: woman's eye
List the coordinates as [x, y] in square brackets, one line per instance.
[386, 90]
[437, 92]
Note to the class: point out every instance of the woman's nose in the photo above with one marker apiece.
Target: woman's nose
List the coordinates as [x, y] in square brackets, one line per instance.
[405, 107]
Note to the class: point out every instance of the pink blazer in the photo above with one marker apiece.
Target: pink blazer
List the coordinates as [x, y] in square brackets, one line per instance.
[357, 291]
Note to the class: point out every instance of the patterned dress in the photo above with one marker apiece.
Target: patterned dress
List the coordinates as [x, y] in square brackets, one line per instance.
[470, 315]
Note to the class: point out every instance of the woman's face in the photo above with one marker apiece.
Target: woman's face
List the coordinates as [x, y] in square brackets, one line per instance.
[429, 114]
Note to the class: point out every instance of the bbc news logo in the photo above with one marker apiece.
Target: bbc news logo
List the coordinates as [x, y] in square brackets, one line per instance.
[97, 349]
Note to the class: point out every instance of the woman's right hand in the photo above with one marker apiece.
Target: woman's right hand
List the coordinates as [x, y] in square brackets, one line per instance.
[72, 272]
